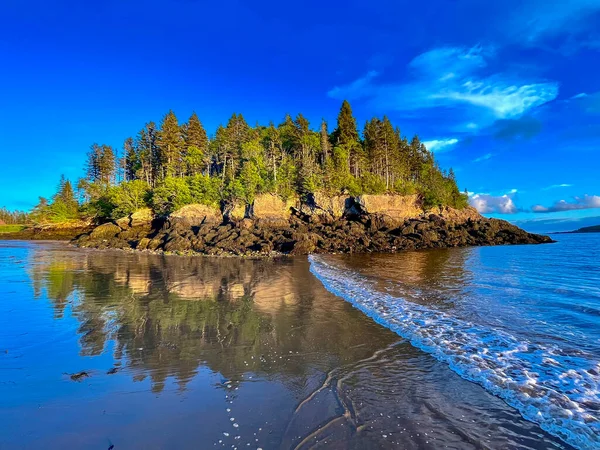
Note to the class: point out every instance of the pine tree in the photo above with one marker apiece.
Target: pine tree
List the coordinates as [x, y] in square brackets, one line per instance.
[194, 135]
[170, 147]
[93, 163]
[271, 141]
[101, 164]
[132, 164]
[325, 143]
[148, 155]
[346, 136]
[107, 165]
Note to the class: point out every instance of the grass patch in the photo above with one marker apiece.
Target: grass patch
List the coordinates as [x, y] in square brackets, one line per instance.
[11, 228]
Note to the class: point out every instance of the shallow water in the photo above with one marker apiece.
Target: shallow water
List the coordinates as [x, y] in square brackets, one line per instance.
[234, 353]
[523, 322]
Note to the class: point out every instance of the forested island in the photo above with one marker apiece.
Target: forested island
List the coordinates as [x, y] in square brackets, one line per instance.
[591, 229]
[285, 188]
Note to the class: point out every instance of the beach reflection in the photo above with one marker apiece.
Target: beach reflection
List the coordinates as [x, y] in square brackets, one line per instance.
[214, 353]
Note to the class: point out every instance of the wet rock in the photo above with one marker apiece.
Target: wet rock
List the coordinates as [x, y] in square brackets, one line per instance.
[79, 376]
[143, 244]
[177, 244]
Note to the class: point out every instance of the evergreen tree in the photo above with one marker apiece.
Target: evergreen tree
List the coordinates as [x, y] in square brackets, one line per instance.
[325, 143]
[170, 147]
[346, 136]
[176, 165]
[101, 165]
[148, 155]
[194, 136]
[132, 163]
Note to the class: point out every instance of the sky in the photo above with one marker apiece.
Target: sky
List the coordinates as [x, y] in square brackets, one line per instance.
[507, 93]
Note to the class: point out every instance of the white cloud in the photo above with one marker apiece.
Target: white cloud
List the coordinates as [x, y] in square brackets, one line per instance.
[585, 202]
[487, 204]
[504, 100]
[452, 77]
[483, 158]
[439, 145]
[580, 95]
[554, 186]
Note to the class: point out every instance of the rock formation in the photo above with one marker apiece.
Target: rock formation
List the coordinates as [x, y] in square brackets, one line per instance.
[319, 225]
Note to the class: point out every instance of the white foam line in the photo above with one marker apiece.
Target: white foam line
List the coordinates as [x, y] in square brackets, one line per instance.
[559, 391]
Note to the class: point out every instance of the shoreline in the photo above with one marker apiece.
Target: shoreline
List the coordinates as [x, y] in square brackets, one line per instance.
[273, 228]
[298, 234]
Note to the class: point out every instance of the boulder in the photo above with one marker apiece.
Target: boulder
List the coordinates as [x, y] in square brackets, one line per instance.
[196, 215]
[326, 206]
[105, 231]
[141, 217]
[123, 223]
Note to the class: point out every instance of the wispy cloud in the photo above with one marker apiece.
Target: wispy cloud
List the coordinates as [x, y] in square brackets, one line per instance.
[483, 158]
[453, 77]
[589, 103]
[440, 145]
[585, 202]
[554, 186]
[359, 88]
[487, 203]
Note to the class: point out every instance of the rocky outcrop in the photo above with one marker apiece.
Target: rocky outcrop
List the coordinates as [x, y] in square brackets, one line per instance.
[456, 215]
[196, 215]
[395, 206]
[325, 208]
[272, 210]
[325, 228]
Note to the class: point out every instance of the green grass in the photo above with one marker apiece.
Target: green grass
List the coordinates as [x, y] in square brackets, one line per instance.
[11, 228]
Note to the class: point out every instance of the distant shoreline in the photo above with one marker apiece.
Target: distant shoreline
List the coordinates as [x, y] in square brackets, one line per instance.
[592, 229]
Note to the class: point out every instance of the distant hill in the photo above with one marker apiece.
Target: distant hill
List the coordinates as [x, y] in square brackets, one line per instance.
[592, 229]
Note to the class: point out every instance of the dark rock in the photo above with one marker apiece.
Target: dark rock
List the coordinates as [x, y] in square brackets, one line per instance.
[177, 244]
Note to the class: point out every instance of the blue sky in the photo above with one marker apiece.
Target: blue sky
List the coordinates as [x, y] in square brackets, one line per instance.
[507, 93]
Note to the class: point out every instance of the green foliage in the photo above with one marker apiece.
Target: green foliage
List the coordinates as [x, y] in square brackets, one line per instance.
[63, 208]
[11, 228]
[372, 184]
[13, 217]
[170, 195]
[172, 165]
[204, 189]
[127, 198]
[194, 160]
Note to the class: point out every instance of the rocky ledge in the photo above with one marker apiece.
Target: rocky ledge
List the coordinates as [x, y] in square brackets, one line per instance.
[271, 226]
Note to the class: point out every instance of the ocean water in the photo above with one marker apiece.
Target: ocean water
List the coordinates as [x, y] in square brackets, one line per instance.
[461, 348]
[521, 321]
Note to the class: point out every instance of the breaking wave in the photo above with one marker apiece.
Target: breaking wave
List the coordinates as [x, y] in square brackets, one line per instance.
[553, 387]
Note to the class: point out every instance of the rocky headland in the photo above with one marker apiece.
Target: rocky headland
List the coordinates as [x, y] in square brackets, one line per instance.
[318, 224]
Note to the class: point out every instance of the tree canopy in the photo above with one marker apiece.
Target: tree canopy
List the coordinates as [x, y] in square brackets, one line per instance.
[176, 163]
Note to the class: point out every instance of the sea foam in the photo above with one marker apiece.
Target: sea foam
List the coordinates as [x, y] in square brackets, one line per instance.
[555, 388]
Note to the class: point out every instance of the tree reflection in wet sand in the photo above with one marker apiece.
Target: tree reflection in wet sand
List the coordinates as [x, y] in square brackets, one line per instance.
[200, 352]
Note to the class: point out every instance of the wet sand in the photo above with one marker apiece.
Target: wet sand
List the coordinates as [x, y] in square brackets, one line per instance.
[218, 353]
